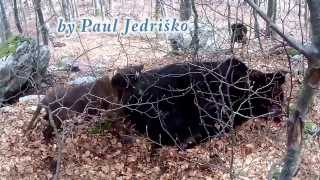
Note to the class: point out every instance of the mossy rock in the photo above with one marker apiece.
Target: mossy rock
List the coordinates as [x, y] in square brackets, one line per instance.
[11, 45]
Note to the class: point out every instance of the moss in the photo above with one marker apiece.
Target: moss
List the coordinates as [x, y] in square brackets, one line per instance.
[98, 13]
[70, 53]
[78, 28]
[60, 64]
[292, 52]
[10, 46]
[99, 129]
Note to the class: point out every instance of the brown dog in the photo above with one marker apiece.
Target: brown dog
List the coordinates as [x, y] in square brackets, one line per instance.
[239, 35]
[63, 102]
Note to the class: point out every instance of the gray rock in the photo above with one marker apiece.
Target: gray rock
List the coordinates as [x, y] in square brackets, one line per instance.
[7, 109]
[22, 69]
[65, 67]
[82, 80]
[43, 85]
[32, 109]
[30, 98]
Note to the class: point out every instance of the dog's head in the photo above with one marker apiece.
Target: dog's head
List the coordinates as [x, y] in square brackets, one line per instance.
[239, 30]
[268, 94]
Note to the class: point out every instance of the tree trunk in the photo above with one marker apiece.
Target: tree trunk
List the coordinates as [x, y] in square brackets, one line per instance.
[102, 9]
[52, 7]
[75, 8]
[97, 7]
[256, 23]
[229, 19]
[306, 21]
[24, 17]
[272, 15]
[41, 22]
[195, 38]
[70, 4]
[110, 8]
[7, 28]
[2, 35]
[16, 16]
[310, 87]
[158, 9]
[65, 10]
[185, 10]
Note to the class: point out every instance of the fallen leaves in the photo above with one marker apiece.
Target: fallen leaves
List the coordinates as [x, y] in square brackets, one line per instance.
[103, 156]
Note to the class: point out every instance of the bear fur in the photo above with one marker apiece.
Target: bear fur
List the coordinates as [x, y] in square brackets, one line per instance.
[184, 102]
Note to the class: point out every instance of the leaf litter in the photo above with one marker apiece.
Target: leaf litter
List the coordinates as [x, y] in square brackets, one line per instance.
[258, 143]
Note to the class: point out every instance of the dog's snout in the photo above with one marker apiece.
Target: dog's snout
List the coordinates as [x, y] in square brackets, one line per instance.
[174, 42]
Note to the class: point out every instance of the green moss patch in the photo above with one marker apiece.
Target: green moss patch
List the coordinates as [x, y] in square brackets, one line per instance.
[10, 46]
[99, 129]
[293, 52]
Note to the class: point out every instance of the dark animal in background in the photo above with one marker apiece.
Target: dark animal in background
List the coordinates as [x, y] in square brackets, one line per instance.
[239, 35]
[163, 105]
[67, 101]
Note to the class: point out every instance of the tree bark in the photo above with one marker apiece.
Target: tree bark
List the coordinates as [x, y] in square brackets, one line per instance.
[75, 8]
[97, 7]
[24, 17]
[158, 10]
[185, 10]
[70, 4]
[102, 9]
[271, 14]
[256, 23]
[310, 85]
[16, 16]
[111, 7]
[52, 7]
[65, 10]
[5, 22]
[195, 38]
[229, 20]
[2, 36]
[41, 21]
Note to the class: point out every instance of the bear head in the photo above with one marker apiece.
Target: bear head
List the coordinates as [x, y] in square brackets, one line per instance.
[267, 95]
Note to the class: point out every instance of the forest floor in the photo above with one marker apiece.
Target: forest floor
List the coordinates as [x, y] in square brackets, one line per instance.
[258, 143]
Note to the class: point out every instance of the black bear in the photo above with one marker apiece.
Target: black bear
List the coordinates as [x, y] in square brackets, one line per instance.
[191, 101]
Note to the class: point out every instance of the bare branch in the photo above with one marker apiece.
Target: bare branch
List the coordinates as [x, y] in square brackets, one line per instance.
[298, 47]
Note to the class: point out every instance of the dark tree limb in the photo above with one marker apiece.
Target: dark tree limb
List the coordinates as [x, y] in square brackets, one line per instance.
[16, 16]
[195, 39]
[41, 21]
